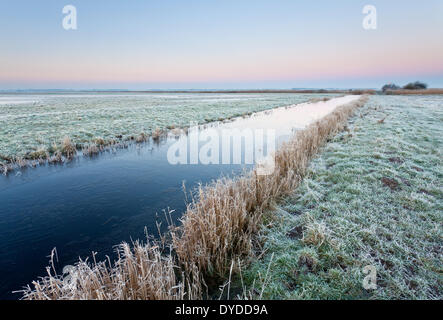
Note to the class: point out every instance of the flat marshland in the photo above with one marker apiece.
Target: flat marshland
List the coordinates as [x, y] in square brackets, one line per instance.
[344, 195]
[92, 203]
[39, 127]
[373, 197]
[215, 237]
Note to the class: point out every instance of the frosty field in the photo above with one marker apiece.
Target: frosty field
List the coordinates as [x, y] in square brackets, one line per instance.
[372, 197]
[31, 123]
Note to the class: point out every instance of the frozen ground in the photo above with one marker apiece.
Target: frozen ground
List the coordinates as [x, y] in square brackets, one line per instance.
[373, 197]
[40, 121]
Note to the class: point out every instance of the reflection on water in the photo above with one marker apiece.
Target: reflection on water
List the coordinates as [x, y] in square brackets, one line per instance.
[91, 204]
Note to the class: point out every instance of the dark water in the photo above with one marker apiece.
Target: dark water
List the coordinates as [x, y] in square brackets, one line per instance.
[88, 205]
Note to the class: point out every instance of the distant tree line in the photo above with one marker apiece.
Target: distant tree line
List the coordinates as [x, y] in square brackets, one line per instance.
[417, 85]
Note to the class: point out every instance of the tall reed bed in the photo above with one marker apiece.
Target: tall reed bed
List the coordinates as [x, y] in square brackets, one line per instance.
[218, 228]
[416, 92]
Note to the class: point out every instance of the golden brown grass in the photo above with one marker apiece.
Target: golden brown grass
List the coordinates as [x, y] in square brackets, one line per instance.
[100, 141]
[141, 272]
[425, 91]
[56, 158]
[68, 149]
[314, 100]
[5, 168]
[142, 137]
[91, 150]
[218, 227]
[40, 153]
[315, 91]
[156, 134]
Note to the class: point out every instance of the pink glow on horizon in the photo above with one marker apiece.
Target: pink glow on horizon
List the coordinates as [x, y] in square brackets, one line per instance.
[218, 42]
[305, 62]
[283, 69]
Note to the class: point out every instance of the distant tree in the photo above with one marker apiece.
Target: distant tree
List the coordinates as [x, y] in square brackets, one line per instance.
[417, 85]
[390, 86]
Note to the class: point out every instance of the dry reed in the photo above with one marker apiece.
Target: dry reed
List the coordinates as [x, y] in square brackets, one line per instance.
[142, 137]
[406, 91]
[218, 227]
[68, 149]
[91, 150]
[141, 272]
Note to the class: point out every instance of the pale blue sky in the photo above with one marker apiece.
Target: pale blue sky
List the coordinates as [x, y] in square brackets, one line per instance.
[219, 44]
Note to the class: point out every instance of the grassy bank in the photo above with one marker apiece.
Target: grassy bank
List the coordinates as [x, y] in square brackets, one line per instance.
[217, 233]
[372, 197]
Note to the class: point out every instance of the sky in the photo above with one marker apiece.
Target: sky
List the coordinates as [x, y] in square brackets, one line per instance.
[223, 44]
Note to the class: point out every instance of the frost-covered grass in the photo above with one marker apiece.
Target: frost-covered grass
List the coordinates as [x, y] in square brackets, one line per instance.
[34, 126]
[372, 197]
[215, 232]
